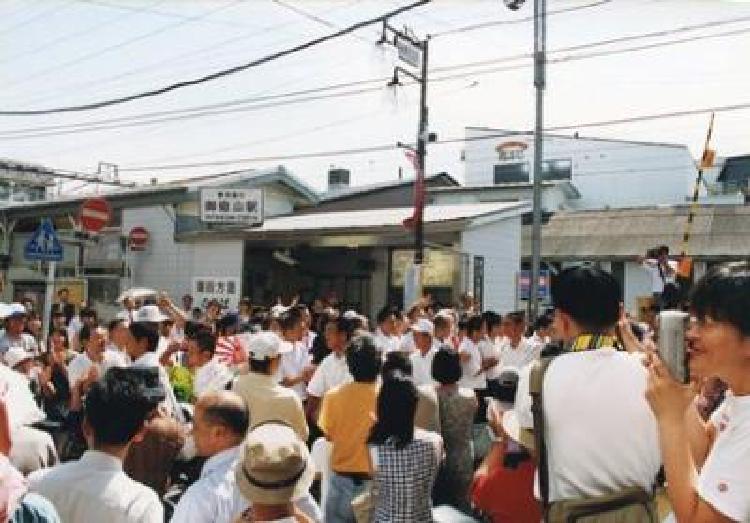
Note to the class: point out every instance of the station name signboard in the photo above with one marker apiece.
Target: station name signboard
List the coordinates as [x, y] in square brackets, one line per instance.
[232, 206]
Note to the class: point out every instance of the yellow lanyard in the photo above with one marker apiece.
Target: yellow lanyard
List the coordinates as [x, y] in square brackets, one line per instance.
[584, 342]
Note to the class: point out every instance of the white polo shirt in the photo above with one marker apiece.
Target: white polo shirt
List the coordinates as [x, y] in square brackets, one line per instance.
[519, 356]
[386, 343]
[491, 349]
[214, 498]
[724, 481]
[292, 364]
[471, 378]
[601, 434]
[422, 366]
[79, 366]
[332, 372]
[95, 488]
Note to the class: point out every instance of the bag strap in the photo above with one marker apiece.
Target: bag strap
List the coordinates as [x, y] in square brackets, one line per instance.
[536, 382]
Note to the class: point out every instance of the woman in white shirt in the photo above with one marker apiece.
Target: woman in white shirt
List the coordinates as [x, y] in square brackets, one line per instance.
[708, 464]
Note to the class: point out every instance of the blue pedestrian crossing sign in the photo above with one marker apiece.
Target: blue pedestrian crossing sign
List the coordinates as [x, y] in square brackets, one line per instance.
[44, 245]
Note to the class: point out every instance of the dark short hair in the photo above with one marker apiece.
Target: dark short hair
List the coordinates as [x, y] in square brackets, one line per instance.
[206, 340]
[446, 366]
[517, 317]
[88, 312]
[589, 295]
[145, 330]
[385, 313]
[473, 324]
[113, 324]
[397, 361]
[290, 318]
[544, 321]
[397, 405]
[116, 407]
[346, 325]
[441, 322]
[85, 333]
[662, 249]
[363, 358]
[723, 295]
[491, 319]
[230, 415]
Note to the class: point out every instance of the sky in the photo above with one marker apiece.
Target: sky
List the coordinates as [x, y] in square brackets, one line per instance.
[56, 53]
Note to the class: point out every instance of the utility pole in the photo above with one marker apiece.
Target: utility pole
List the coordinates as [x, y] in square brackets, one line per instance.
[414, 52]
[540, 66]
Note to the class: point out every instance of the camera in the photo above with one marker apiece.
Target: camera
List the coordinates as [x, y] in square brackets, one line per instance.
[514, 5]
[672, 328]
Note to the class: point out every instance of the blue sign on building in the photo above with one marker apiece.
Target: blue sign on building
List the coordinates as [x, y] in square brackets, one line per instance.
[44, 245]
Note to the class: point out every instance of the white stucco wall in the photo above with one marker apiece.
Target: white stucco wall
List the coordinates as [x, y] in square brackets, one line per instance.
[500, 244]
[171, 266]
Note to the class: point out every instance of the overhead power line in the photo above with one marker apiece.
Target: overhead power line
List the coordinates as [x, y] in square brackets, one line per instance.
[219, 74]
[388, 147]
[494, 23]
[337, 90]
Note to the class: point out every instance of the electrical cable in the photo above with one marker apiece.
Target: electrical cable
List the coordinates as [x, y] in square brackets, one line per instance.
[218, 74]
[93, 125]
[387, 147]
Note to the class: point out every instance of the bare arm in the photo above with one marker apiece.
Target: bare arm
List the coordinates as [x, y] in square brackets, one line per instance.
[5, 439]
[700, 434]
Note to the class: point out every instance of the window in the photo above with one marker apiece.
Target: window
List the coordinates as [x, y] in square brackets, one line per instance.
[512, 173]
[557, 169]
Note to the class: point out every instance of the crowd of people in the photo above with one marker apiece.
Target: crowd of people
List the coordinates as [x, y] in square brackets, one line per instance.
[297, 413]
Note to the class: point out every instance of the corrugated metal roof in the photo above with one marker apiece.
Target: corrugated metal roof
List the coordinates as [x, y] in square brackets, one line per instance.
[716, 232]
[386, 217]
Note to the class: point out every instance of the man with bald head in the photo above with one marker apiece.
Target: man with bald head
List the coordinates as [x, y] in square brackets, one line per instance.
[220, 423]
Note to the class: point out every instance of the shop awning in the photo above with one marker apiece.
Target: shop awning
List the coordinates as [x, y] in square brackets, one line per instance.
[717, 232]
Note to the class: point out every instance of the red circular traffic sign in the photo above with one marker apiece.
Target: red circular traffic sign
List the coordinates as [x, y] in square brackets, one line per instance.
[95, 214]
[138, 239]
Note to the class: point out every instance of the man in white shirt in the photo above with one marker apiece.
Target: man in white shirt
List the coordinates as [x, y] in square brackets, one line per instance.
[663, 273]
[517, 351]
[94, 361]
[333, 370]
[14, 335]
[295, 369]
[421, 359]
[95, 488]
[600, 435]
[707, 465]
[385, 333]
[472, 375]
[219, 426]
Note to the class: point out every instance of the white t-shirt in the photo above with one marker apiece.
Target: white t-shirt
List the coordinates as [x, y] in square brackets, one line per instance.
[657, 282]
[490, 349]
[422, 366]
[601, 434]
[292, 364]
[79, 366]
[406, 343]
[471, 378]
[386, 343]
[517, 358]
[332, 372]
[724, 480]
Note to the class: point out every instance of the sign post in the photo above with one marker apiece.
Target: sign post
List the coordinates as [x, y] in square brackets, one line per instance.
[44, 245]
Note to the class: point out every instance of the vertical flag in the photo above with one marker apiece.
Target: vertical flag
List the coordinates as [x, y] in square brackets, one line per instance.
[419, 192]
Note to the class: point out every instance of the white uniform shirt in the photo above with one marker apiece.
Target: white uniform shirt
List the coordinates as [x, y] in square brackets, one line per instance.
[386, 343]
[520, 356]
[601, 434]
[657, 282]
[331, 373]
[490, 349]
[471, 378]
[724, 481]
[406, 343]
[422, 366]
[211, 377]
[214, 498]
[24, 341]
[78, 368]
[150, 359]
[292, 364]
[95, 488]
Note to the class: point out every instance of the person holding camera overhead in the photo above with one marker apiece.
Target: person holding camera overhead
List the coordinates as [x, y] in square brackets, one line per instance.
[663, 273]
[708, 464]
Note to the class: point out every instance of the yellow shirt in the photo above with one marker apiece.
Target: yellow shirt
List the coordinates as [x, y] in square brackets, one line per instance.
[346, 417]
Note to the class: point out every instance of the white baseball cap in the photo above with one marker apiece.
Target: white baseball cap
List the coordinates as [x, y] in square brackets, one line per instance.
[267, 344]
[424, 325]
[278, 310]
[14, 309]
[150, 313]
[16, 355]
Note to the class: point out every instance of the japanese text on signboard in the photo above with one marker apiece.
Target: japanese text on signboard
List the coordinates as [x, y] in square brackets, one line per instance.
[228, 205]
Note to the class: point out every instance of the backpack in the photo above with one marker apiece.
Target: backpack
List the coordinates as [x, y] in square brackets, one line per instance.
[625, 506]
